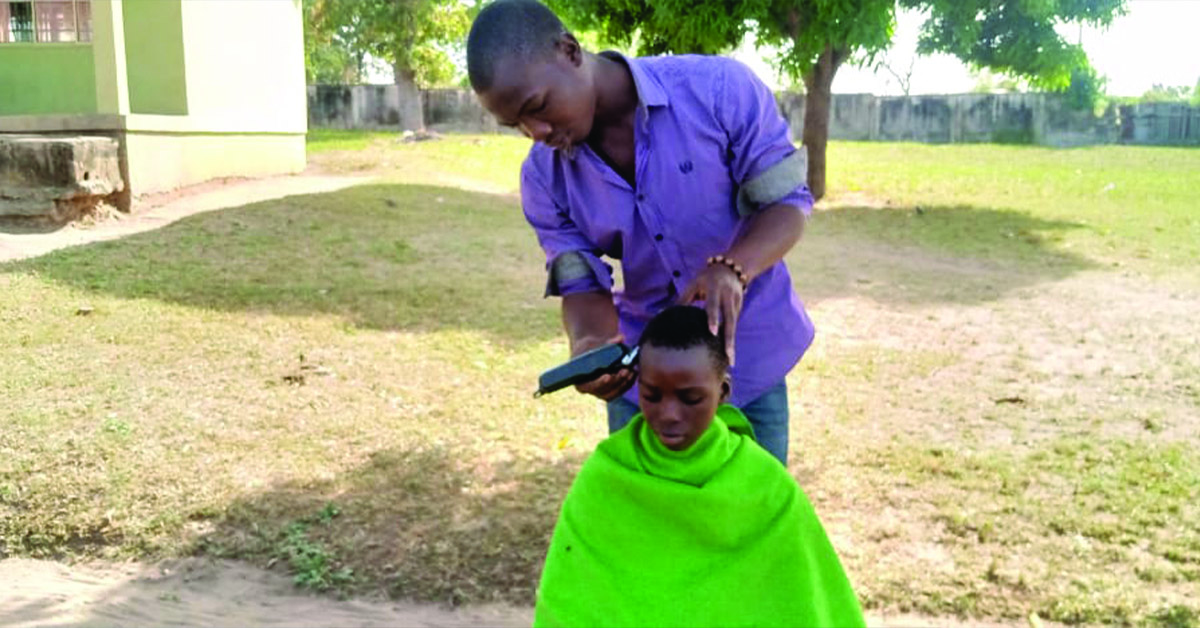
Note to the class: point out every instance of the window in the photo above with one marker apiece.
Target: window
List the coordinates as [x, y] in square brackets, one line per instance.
[45, 21]
[19, 23]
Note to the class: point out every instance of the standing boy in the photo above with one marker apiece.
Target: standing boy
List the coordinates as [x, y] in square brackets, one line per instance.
[681, 168]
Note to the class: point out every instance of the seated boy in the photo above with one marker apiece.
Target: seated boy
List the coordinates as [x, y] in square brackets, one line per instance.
[681, 519]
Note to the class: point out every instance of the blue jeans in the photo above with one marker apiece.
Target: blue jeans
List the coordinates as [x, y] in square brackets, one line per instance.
[768, 415]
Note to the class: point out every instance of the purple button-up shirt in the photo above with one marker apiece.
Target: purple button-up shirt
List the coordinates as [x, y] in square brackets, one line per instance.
[704, 126]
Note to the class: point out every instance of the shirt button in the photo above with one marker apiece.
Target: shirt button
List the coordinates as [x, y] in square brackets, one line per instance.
[658, 238]
[676, 273]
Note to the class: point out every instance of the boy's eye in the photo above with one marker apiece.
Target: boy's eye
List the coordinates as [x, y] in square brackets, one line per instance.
[691, 400]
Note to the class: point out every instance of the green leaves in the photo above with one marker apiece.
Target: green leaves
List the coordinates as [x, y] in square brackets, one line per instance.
[1007, 36]
[801, 29]
[1086, 89]
[1015, 37]
[328, 58]
[414, 36]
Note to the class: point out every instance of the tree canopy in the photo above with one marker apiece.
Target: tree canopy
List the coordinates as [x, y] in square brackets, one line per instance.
[1016, 37]
[815, 37]
[328, 58]
[414, 37]
[1168, 93]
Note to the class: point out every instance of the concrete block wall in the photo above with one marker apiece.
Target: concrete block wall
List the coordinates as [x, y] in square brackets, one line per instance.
[383, 107]
[1005, 118]
[57, 178]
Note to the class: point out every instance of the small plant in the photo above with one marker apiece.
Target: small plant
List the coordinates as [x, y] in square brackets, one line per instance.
[113, 425]
[310, 561]
[328, 513]
[1177, 616]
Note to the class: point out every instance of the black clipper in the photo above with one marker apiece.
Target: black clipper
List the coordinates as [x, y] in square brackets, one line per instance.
[586, 367]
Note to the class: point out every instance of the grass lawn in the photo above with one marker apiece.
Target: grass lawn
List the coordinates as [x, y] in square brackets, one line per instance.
[1000, 416]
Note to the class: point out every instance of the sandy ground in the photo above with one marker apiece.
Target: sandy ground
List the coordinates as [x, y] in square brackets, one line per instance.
[202, 592]
[18, 242]
[205, 592]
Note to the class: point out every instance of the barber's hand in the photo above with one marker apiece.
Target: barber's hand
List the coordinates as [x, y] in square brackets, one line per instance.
[718, 286]
[608, 386]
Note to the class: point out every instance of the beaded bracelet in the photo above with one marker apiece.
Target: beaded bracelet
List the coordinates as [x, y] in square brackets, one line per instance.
[731, 265]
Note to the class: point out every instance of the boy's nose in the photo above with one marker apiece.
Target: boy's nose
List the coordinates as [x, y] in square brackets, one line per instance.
[536, 130]
[668, 414]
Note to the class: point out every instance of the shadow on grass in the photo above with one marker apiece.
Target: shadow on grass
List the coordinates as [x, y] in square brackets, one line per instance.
[419, 524]
[381, 256]
[935, 255]
[392, 256]
[16, 226]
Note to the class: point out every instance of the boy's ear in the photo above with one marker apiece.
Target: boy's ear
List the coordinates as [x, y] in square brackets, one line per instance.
[726, 389]
[569, 47]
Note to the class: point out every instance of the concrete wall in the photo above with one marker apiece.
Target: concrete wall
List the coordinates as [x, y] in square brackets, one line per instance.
[46, 178]
[160, 162]
[1005, 118]
[378, 106]
[46, 79]
[154, 56]
[457, 109]
[243, 84]
[353, 107]
[245, 65]
[191, 90]
[1160, 123]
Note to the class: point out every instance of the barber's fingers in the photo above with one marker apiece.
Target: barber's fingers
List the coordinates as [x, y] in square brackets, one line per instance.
[731, 308]
[693, 293]
[715, 309]
[594, 386]
[619, 382]
[609, 386]
[622, 381]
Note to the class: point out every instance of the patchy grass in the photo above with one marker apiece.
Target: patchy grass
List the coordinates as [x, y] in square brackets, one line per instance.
[1114, 204]
[481, 163]
[999, 416]
[326, 140]
[1102, 525]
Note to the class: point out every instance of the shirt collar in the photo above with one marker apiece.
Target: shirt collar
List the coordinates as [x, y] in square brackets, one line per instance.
[650, 91]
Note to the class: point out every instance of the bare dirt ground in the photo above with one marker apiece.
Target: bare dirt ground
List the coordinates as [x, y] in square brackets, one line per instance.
[203, 592]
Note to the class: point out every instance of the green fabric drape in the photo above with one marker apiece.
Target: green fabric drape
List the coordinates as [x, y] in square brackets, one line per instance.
[717, 535]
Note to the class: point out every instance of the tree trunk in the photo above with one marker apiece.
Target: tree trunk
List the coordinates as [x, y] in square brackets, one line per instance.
[818, 84]
[411, 113]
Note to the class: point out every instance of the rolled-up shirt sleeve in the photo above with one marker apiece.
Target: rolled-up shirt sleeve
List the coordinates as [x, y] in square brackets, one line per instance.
[571, 266]
[764, 162]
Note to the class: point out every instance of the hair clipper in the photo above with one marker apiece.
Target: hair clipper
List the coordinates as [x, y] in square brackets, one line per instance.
[586, 367]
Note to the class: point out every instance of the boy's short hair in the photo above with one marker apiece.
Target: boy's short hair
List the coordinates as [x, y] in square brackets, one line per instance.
[684, 327]
[509, 31]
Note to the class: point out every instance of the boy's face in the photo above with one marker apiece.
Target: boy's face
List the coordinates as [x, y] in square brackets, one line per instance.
[680, 390]
[552, 101]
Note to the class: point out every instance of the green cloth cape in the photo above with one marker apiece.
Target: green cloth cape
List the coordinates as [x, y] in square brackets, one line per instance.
[717, 535]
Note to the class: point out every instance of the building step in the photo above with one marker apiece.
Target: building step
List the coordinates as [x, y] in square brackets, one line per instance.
[57, 178]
